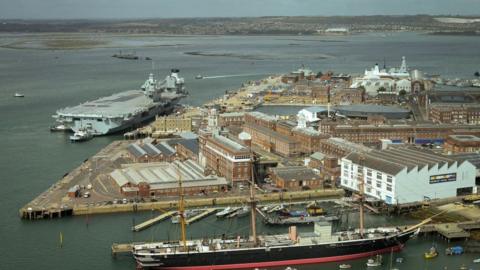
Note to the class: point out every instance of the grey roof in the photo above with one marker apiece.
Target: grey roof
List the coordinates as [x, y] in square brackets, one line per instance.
[165, 175]
[465, 138]
[317, 156]
[295, 173]
[394, 160]
[474, 158]
[165, 149]
[315, 109]
[136, 150]
[229, 143]
[151, 149]
[263, 116]
[191, 145]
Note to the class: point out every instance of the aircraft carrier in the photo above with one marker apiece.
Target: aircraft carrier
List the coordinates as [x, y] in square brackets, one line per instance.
[124, 110]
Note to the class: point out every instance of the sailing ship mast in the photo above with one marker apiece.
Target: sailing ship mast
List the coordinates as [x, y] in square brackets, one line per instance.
[361, 186]
[181, 209]
[253, 202]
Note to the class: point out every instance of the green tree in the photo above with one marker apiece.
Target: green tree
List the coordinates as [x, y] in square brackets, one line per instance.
[381, 89]
[402, 93]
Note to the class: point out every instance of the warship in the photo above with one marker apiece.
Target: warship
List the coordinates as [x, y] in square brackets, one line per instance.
[126, 109]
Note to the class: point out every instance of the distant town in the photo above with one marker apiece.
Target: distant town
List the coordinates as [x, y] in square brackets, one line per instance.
[276, 25]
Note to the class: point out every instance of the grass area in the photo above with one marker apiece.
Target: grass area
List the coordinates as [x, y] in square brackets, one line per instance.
[73, 43]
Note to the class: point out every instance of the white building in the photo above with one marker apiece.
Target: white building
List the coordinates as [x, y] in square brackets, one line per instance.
[377, 78]
[310, 114]
[407, 175]
[403, 84]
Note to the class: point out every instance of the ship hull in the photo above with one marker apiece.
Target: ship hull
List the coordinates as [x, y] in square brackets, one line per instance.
[276, 256]
[114, 125]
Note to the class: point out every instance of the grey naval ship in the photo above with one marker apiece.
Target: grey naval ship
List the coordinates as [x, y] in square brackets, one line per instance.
[126, 109]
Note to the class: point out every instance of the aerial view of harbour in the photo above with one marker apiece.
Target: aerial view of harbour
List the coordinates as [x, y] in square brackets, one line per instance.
[284, 138]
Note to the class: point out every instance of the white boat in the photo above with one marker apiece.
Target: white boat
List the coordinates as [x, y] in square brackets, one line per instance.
[60, 127]
[188, 214]
[81, 135]
[198, 77]
[240, 212]
[18, 95]
[377, 261]
[227, 211]
[476, 260]
[344, 266]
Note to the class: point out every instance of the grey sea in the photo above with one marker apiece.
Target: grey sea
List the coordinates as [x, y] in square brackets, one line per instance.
[32, 158]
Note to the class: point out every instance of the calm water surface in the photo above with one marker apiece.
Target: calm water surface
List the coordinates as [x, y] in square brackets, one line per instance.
[32, 158]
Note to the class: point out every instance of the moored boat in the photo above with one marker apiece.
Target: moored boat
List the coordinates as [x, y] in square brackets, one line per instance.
[432, 253]
[18, 95]
[374, 262]
[320, 246]
[81, 135]
[344, 266]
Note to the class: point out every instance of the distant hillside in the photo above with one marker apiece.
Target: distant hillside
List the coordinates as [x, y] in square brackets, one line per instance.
[249, 26]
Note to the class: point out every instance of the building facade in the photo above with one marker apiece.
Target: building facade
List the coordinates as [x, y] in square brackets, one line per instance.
[407, 175]
[225, 157]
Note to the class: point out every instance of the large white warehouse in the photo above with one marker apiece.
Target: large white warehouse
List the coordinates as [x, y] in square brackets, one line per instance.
[407, 175]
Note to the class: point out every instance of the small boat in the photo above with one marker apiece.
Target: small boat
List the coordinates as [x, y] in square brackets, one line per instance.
[377, 261]
[344, 266]
[60, 127]
[198, 77]
[18, 95]
[476, 260]
[227, 211]
[456, 250]
[81, 135]
[148, 58]
[432, 253]
[244, 211]
[399, 260]
[188, 214]
[463, 267]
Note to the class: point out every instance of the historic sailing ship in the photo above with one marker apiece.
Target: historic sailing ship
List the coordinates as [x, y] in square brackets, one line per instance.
[322, 245]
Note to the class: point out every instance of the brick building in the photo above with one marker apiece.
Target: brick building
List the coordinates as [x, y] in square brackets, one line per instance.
[462, 144]
[295, 178]
[451, 113]
[226, 157]
[165, 124]
[231, 119]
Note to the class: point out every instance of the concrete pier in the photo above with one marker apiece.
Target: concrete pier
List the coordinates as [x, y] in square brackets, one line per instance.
[204, 214]
[153, 221]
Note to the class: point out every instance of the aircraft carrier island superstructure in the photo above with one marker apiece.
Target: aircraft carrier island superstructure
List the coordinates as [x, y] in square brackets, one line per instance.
[125, 109]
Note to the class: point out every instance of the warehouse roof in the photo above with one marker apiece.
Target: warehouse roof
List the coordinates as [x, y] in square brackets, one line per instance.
[295, 173]
[394, 160]
[164, 175]
[191, 145]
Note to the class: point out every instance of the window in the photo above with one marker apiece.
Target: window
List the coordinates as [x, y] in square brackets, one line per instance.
[379, 184]
[389, 178]
[369, 172]
[369, 190]
[378, 193]
[379, 176]
[389, 187]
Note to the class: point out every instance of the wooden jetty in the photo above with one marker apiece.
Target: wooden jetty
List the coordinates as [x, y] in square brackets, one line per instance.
[152, 221]
[203, 214]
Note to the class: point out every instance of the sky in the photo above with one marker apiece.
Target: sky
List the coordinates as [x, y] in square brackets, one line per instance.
[129, 9]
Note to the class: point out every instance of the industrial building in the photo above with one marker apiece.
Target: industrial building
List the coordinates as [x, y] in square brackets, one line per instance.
[161, 178]
[462, 144]
[226, 157]
[295, 178]
[407, 175]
